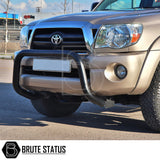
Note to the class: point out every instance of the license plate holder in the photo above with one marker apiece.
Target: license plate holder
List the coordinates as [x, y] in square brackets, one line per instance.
[52, 65]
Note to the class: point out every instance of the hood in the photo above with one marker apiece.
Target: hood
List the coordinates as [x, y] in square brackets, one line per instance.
[97, 17]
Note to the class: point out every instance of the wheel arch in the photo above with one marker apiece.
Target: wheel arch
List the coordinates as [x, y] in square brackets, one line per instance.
[149, 67]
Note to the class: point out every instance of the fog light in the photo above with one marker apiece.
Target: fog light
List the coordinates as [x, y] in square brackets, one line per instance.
[121, 71]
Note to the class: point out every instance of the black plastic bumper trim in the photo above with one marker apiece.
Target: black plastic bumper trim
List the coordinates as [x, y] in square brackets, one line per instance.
[52, 53]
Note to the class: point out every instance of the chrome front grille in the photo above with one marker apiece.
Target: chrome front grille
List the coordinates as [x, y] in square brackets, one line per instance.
[73, 39]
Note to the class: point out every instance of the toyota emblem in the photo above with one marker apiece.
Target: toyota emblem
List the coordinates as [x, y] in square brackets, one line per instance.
[56, 39]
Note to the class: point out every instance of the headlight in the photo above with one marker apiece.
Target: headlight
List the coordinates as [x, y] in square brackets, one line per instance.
[24, 37]
[118, 36]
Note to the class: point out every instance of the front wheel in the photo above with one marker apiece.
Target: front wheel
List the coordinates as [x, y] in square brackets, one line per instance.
[55, 106]
[150, 102]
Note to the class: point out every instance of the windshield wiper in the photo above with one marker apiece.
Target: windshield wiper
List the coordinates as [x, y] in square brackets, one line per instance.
[107, 9]
[136, 8]
[150, 7]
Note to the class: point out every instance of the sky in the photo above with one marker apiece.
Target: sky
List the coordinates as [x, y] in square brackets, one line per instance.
[29, 6]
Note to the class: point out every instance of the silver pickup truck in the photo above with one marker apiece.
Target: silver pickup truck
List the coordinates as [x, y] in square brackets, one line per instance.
[106, 56]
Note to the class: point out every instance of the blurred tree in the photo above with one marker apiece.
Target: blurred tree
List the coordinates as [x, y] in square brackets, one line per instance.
[64, 5]
[5, 4]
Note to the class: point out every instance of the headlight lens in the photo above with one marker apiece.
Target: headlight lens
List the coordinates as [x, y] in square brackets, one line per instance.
[118, 36]
[24, 37]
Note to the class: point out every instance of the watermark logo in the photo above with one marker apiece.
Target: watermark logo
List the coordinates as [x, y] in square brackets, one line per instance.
[11, 149]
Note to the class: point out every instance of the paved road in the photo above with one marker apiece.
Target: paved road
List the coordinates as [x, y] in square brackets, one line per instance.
[19, 120]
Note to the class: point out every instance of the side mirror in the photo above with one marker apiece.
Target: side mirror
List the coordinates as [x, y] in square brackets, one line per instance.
[94, 5]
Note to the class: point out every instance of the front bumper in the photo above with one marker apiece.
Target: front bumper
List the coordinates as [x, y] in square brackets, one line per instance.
[102, 81]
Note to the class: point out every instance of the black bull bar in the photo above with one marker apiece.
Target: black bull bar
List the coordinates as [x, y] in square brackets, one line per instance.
[52, 54]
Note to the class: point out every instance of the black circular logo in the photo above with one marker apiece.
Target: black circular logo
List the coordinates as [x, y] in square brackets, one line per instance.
[56, 39]
[11, 149]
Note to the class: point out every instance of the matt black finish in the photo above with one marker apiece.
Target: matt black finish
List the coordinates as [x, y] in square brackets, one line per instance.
[52, 53]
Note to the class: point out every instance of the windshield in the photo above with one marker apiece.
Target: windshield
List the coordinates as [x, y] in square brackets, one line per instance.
[127, 4]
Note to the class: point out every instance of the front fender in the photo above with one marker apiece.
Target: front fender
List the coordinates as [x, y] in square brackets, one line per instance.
[148, 69]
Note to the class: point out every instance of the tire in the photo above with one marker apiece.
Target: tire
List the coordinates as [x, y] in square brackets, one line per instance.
[55, 106]
[150, 102]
